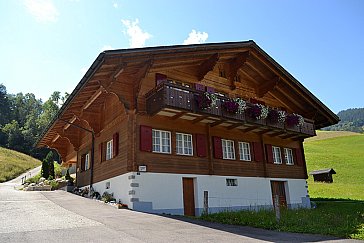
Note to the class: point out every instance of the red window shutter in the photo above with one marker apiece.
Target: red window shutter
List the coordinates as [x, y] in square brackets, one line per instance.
[83, 159]
[217, 147]
[101, 151]
[200, 87]
[210, 90]
[159, 78]
[146, 138]
[269, 153]
[298, 157]
[258, 152]
[115, 144]
[201, 145]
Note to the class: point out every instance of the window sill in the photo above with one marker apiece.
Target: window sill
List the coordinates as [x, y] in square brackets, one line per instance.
[190, 155]
[157, 152]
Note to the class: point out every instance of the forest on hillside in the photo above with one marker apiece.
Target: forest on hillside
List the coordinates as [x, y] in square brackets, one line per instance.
[23, 118]
[350, 120]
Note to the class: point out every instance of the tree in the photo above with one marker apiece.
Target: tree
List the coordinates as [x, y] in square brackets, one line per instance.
[5, 108]
[14, 136]
[48, 166]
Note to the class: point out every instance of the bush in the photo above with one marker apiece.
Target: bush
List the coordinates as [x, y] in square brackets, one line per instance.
[54, 184]
[107, 197]
[57, 170]
[33, 179]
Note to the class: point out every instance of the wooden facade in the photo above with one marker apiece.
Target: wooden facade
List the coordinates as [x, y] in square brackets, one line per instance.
[127, 93]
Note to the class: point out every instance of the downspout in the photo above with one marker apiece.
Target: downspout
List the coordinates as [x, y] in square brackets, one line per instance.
[92, 148]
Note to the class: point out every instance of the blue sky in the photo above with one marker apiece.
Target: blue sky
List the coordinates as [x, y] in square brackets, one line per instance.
[47, 45]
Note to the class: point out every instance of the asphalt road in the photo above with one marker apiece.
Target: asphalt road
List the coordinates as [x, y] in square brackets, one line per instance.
[63, 217]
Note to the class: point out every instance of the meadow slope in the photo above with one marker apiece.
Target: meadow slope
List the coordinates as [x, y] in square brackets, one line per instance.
[13, 163]
[345, 154]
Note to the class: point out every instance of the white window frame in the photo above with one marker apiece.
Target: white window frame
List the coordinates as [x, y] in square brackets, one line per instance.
[187, 144]
[228, 149]
[231, 182]
[87, 161]
[288, 156]
[159, 142]
[244, 151]
[109, 150]
[277, 155]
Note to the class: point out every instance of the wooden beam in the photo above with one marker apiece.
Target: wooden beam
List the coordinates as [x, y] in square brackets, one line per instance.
[214, 124]
[267, 86]
[120, 68]
[93, 98]
[235, 64]
[207, 66]
[277, 133]
[233, 126]
[198, 119]
[178, 115]
[249, 129]
[252, 67]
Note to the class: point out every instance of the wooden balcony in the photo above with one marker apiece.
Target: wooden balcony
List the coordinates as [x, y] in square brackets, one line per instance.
[176, 101]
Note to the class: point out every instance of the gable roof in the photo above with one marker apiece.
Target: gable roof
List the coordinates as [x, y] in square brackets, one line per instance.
[111, 62]
[323, 171]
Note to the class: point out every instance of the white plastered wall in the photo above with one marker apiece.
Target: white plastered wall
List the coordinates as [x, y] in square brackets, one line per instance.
[165, 191]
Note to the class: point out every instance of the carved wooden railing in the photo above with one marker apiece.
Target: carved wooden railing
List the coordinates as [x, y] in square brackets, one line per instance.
[172, 96]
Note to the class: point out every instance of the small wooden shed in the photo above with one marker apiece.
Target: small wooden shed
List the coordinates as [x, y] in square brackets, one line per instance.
[324, 175]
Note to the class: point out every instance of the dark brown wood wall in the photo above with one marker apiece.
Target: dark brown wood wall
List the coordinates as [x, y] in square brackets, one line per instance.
[173, 163]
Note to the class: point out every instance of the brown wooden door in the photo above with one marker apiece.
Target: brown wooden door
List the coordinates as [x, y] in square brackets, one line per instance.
[188, 196]
[278, 189]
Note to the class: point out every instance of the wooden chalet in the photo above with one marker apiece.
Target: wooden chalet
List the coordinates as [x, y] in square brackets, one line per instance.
[175, 128]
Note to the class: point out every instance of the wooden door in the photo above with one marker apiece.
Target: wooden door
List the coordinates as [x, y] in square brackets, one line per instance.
[278, 189]
[188, 196]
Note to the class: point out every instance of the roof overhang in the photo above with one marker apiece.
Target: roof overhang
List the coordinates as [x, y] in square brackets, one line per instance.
[110, 64]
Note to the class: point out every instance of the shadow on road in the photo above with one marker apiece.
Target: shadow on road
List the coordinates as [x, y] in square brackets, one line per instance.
[259, 234]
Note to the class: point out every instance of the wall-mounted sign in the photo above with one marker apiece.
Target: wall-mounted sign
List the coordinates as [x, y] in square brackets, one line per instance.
[142, 168]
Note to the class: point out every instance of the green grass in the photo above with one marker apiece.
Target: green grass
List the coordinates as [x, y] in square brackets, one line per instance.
[342, 219]
[13, 163]
[340, 205]
[346, 156]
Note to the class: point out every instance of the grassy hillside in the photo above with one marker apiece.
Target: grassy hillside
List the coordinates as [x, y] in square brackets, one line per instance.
[13, 163]
[321, 135]
[345, 154]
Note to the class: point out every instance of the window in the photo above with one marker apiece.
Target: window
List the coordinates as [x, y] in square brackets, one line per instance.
[87, 161]
[228, 151]
[288, 156]
[161, 141]
[277, 158]
[184, 144]
[107, 185]
[244, 150]
[109, 150]
[231, 182]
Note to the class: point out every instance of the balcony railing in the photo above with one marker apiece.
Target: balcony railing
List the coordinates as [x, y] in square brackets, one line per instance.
[172, 96]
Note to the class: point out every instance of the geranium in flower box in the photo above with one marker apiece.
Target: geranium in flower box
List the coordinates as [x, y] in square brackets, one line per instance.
[258, 111]
[294, 120]
[231, 106]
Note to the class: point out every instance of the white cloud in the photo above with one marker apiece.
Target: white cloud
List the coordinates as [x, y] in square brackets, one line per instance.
[196, 38]
[106, 47]
[42, 10]
[137, 36]
[115, 5]
[83, 70]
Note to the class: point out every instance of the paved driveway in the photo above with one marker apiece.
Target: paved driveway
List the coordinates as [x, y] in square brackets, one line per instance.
[63, 217]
